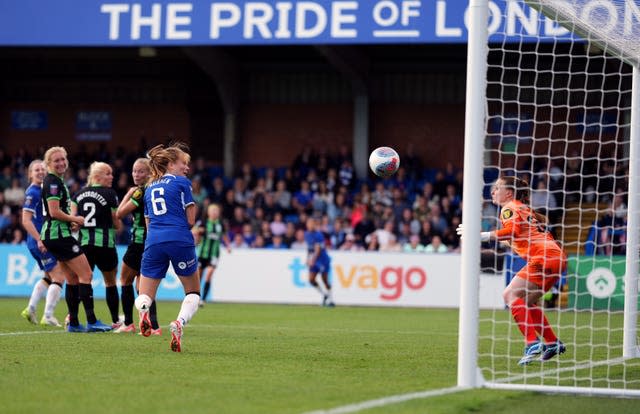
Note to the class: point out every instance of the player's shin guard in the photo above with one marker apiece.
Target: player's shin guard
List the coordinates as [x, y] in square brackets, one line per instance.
[128, 298]
[153, 315]
[86, 296]
[542, 325]
[189, 307]
[72, 297]
[522, 316]
[113, 302]
[205, 290]
[38, 292]
[53, 296]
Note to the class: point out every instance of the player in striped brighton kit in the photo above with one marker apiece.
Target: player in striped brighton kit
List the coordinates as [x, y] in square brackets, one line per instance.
[212, 233]
[54, 277]
[133, 203]
[57, 238]
[171, 213]
[97, 203]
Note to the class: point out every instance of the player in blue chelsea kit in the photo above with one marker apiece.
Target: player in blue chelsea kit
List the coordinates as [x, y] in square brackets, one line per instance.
[32, 219]
[170, 213]
[318, 261]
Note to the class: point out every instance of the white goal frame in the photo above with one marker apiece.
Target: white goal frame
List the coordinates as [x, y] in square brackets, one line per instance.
[469, 375]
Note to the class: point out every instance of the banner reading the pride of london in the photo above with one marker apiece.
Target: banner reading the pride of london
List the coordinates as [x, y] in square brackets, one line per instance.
[244, 22]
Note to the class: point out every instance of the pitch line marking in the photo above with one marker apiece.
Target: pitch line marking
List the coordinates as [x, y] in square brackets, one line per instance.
[538, 374]
[392, 399]
[29, 333]
[290, 328]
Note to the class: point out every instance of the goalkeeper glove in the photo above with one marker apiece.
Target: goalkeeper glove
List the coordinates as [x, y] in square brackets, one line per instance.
[484, 235]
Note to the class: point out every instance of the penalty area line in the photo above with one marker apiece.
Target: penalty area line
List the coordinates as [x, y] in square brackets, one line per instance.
[392, 399]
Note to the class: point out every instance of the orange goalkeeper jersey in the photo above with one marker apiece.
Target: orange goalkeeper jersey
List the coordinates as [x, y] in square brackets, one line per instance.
[528, 237]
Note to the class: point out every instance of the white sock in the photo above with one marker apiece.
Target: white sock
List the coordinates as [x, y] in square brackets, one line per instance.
[189, 307]
[38, 292]
[53, 296]
[329, 295]
[143, 303]
[319, 288]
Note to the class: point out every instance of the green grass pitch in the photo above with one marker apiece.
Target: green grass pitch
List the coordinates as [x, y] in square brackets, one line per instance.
[254, 359]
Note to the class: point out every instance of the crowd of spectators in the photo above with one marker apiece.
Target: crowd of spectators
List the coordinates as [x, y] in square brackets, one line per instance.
[416, 210]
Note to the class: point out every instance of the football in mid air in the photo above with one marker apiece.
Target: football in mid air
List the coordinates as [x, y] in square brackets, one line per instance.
[384, 161]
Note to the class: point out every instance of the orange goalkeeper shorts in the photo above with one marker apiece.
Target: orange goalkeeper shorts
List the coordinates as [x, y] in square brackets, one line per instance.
[544, 271]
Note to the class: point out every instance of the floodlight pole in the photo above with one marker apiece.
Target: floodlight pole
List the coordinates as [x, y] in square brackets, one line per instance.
[474, 137]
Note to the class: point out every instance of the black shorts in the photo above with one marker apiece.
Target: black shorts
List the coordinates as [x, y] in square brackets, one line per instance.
[204, 263]
[105, 258]
[133, 256]
[63, 249]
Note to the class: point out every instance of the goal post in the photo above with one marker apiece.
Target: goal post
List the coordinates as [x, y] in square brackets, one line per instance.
[552, 97]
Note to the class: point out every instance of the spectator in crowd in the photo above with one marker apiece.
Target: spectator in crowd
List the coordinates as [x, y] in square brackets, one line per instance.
[198, 191]
[612, 235]
[217, 194]
[414, 245]
[5, 178]
[282, 196]
[372, 243]
[238, 242]
[240, 192]
[436, 246]
[346, 174]
[327, 191]
[385, 234]
[350, 244]
[322, 198]
[14, 195]
[301, 201]
[392, 245]
[277, 243]
[278, 227]
[299, 243]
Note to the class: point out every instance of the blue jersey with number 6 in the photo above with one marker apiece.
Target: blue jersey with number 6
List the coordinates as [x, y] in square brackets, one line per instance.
[165, 202]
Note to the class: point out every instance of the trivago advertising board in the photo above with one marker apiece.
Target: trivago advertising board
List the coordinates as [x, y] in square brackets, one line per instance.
[281, 276]
[273, 22]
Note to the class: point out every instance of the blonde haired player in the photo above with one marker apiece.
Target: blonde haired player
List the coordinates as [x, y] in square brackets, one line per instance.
[57, 238]
[97, 203]
[524, 230]
[170, 213]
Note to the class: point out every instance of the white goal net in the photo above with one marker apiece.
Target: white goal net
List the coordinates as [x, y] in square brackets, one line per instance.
[559, 113]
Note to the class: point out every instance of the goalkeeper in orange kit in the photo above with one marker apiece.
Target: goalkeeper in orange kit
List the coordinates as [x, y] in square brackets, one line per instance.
[524, 230]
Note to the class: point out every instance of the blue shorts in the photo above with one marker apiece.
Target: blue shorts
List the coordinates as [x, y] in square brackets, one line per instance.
[322, 264]
[45, 261]
[156, 259]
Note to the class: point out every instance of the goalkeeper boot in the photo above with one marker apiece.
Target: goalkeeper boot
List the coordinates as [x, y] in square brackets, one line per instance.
[531, 352]
[29, 315]
[552, 350]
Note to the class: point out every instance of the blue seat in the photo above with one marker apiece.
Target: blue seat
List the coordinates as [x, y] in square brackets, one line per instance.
[216, 171]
